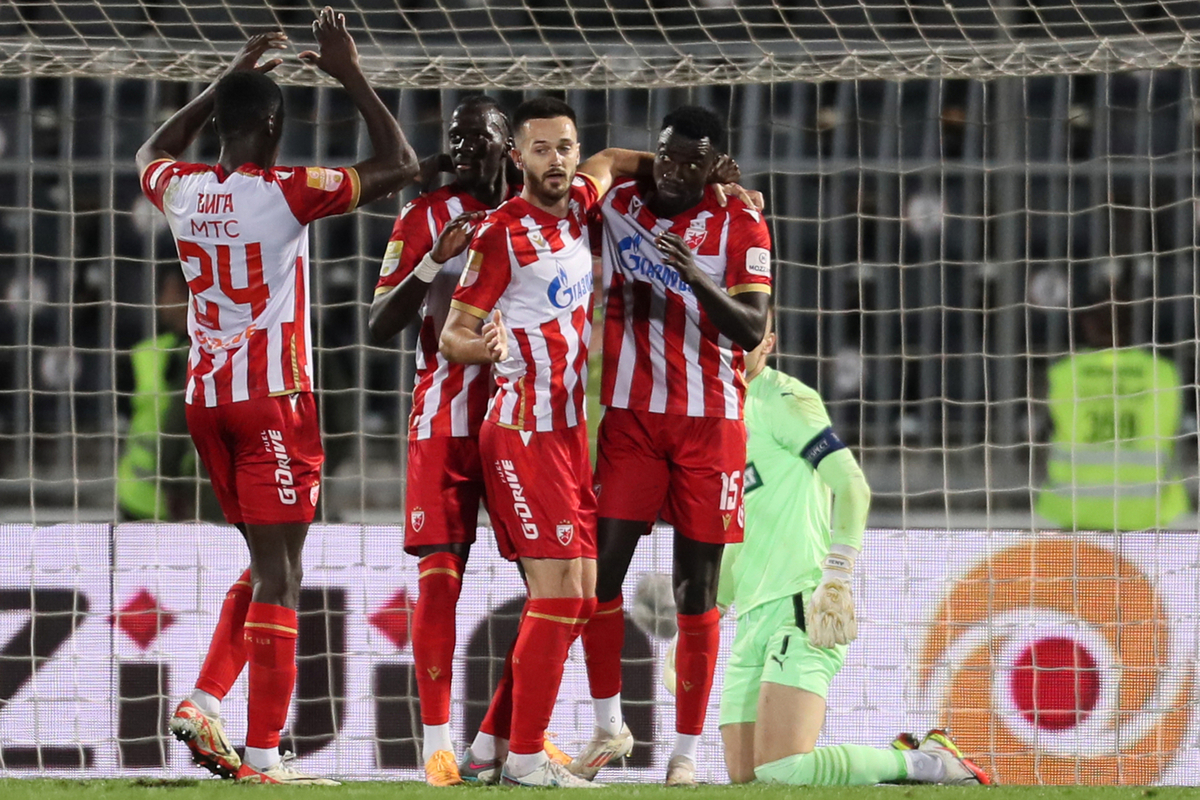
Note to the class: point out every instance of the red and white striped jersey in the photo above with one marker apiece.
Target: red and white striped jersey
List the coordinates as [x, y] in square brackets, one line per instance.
[661, 351]
[449, 399]
[537, 270]
[242, 239]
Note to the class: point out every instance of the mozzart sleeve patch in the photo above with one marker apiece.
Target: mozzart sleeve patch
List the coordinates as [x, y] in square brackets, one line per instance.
[821, 445]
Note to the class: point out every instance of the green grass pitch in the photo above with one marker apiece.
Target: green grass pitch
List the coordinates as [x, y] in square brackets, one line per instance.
[206, 789]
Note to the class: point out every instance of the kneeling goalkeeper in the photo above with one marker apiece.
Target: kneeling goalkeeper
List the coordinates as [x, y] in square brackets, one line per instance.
[790, 583]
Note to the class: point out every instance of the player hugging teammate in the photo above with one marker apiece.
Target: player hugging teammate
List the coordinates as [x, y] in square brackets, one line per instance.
[501, 279]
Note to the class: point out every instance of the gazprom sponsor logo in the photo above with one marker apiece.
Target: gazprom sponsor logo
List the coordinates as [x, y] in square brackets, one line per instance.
[564, 294]
[629, 250]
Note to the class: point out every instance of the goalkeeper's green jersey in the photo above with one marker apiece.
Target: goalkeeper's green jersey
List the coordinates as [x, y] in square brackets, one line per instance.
[787, 503]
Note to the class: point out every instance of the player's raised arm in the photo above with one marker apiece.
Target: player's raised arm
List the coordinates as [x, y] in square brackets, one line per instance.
[393, 164]
[614, 163]
[173, 136]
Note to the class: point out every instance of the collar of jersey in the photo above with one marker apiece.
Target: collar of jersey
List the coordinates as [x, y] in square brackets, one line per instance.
[541, 217]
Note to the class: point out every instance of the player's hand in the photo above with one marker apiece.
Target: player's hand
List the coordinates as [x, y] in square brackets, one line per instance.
[678, 255]
[336, 54]
[247, 58]
[725, 170]
[455, 237]
[495, 337]
[430, 170]
[751, 197]
[829, 618]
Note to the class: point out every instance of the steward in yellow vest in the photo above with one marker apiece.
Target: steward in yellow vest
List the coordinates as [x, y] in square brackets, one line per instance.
[157, 449]
[1115, 413]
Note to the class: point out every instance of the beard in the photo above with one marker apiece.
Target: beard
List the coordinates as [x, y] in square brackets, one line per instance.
[539, 187]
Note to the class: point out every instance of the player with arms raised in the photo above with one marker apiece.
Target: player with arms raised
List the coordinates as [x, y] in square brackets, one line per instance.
[241, 228]
[444, 480]
[790, 582]
[529, 274]
[688, 280]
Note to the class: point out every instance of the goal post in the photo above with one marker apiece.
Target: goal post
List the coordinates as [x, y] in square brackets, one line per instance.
[522, 44]
[963, 195]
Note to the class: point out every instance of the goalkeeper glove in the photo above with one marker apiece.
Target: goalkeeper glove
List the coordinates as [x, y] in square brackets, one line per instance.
[829, 617]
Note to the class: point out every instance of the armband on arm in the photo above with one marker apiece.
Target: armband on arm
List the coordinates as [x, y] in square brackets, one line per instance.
[820, 446]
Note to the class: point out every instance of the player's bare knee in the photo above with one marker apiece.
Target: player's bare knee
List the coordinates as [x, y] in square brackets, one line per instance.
[695, 596]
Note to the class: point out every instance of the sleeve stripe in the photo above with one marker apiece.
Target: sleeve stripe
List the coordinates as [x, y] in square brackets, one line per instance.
[355, 187]
[469, 309]
[152, 181]
[749, 287]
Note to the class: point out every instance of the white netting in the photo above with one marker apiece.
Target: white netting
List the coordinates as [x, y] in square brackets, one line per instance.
[531, 43]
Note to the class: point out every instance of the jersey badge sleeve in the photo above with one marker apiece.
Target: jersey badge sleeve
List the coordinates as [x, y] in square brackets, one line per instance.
[487, 273]
[748, 267]
[316, 192]
[411, 239]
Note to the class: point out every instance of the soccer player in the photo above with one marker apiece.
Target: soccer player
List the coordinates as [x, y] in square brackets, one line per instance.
[444, 483]
[688, 281]
[524, 305]
[241, 228]
[790, 581]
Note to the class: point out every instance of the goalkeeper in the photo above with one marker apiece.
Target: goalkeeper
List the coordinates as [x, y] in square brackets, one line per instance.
[790, 581]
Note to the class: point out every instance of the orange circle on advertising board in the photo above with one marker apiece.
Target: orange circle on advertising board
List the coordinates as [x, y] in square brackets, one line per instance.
[1051, 663]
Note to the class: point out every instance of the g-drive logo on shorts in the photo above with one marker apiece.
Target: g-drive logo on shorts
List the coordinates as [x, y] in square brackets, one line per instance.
[509, 473]
[273, 441]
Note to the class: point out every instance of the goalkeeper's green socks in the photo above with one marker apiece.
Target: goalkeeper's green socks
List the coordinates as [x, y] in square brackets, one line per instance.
[843, 765]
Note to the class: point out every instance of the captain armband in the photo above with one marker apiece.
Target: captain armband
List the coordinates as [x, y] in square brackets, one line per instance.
[821, 445]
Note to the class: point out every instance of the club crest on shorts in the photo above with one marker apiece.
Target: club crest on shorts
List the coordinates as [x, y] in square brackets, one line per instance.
[313, 493]
[417, 519]
[565, 531]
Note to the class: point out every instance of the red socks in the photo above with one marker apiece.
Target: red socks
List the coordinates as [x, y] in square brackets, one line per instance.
[603, 641]
[549, 627]
[695, 659]
[227, 652]
[498, 720]
[433, 633]
[270, 633]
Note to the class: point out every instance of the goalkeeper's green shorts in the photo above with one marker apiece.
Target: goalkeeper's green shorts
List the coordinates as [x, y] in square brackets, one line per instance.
[769, 646]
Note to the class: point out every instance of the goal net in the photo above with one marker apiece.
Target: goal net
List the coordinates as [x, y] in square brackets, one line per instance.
[965, 199]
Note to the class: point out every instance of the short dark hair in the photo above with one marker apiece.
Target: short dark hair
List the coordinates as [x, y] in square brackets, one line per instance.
[484, 102]
[541, 108]
[244, 101]
[697, 122]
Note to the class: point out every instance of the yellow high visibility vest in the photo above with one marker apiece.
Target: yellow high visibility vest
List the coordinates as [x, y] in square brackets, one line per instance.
[138, 486]
[1112, 459]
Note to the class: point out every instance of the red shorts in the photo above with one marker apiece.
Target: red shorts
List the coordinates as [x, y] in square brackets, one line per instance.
[263, 457]
[686, 469]
[539, 488]
[443, 487]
